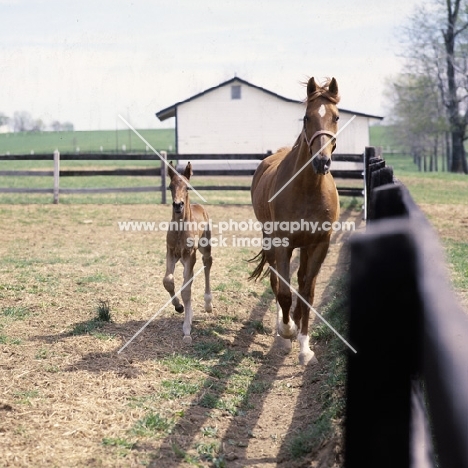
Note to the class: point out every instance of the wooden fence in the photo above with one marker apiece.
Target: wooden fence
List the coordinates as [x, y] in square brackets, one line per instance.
[407, 389]
[345, 166]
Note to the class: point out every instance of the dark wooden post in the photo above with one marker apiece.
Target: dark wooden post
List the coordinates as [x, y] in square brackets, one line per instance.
[383, 330]
[163, 177]
[369, 152]
[56, 176]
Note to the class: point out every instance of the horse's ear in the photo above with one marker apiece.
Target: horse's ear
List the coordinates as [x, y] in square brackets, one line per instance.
[311, 86]
[171, 170]
[333, 87]
[188, 171]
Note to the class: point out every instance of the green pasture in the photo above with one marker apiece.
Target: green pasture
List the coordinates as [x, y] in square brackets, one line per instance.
[69, 142]
[381, 135]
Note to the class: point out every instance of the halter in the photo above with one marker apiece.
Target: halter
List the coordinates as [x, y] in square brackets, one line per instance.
[317, 134]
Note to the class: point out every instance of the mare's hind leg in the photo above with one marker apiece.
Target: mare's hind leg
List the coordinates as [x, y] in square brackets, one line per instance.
[168, 280]
[186, 293]
[207, 262]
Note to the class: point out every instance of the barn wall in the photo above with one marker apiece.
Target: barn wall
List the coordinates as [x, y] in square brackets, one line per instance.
[355, 137]
[256, 123]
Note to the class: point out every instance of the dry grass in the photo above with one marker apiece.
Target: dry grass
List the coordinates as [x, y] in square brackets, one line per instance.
[70, 399]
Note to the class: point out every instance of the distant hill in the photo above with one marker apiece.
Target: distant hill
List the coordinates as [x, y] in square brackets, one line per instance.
[69, 142]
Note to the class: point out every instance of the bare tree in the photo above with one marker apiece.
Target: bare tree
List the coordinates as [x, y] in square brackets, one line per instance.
[22, 121]
[67, 127]
[57, 126]
[436, 47]
[37, 125]
[455, 41]
[417, 118]
[4, 120]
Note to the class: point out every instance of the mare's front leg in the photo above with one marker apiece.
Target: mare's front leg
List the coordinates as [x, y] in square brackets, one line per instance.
[168, 280]
[189, 262]
[315, 257]
[286, 326]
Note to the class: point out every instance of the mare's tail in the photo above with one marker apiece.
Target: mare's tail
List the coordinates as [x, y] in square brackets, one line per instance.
[257, 273]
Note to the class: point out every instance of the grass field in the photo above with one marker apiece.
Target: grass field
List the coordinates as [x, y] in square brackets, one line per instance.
[68, 142]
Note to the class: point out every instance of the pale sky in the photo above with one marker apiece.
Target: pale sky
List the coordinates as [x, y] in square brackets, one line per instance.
[87, 61]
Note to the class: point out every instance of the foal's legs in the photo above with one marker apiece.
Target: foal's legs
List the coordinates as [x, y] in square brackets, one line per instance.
[186, 293]
[168, 280]
[207, 262]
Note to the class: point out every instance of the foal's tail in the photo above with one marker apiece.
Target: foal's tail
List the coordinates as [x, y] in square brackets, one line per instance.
[257, 273]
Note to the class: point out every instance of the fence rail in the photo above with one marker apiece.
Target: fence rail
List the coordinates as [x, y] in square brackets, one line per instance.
[407, 389]
[355, 172]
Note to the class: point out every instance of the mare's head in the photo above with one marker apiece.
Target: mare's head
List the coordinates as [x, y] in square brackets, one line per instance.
[179, 189]
[321, 123]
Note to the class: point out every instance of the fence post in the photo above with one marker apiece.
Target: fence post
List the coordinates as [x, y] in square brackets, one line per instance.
[378, 400]
[163, 177]
[56, 176]
[369, 153]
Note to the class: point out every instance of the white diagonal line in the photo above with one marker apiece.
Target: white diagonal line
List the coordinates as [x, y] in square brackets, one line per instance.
[311, 159]
[314, 311]
[157, 154]
[163, 307]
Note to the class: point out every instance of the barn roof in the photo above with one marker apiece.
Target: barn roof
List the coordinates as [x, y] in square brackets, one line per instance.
[171, 111]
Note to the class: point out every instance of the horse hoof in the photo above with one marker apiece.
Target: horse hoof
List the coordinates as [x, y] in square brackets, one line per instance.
[308, 359]
[283, 343]
[187, 339]
[288, 332]
[208, 304]
[179, 308]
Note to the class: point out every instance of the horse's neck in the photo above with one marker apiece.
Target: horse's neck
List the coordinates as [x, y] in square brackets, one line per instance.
[302, 165]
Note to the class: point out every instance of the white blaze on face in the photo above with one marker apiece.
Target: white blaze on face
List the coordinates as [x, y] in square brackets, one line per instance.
[322, 110]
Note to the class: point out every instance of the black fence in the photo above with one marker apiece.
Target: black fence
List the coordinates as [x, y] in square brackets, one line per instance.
[407, 389]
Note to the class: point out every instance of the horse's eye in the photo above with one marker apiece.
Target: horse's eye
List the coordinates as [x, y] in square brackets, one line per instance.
[306, 119]
[337, 118]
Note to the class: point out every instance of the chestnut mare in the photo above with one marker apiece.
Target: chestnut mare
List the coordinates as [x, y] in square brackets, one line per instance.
[300, 194]
[189, 230]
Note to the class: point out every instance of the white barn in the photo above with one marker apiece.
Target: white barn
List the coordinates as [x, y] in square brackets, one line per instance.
[237, 117]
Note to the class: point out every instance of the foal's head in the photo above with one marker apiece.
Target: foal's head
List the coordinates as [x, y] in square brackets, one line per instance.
[179, 188]
[321, 123]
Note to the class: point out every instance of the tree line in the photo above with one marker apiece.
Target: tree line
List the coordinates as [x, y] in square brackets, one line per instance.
[429, 100]
[22, 121]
